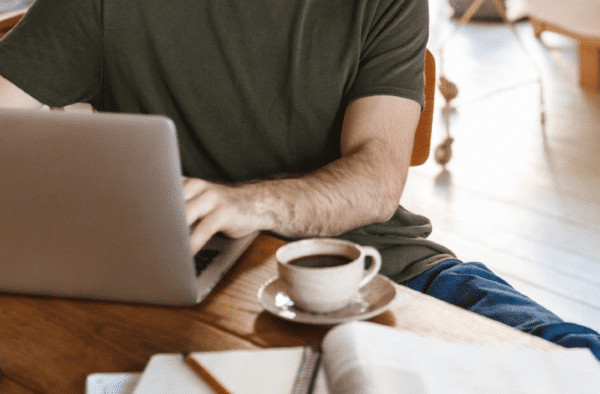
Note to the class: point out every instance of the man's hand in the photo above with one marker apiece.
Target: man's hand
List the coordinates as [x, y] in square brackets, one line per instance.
[211, 208]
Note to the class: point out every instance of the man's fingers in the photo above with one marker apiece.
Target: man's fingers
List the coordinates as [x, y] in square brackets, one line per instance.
[197, 241]
[211, 208]
[200, 198]
[192, 187]
[201, 233]
[201, 205]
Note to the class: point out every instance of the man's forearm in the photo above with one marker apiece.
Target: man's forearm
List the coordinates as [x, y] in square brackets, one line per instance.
[361, 188]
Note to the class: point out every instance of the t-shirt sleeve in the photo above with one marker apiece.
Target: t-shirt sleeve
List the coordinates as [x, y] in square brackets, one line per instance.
[55, 52]
[393, 54]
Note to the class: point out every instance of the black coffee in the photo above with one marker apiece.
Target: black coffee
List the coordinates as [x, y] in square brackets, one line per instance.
[320, 261]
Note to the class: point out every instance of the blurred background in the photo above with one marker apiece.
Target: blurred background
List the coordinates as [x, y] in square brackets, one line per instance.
[521, 190]
[13, 5]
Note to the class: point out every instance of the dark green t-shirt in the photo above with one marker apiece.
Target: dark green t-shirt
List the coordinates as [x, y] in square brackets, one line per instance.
[256, 88]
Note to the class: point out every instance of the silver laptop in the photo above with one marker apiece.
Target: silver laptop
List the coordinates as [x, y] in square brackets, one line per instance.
[91, 206]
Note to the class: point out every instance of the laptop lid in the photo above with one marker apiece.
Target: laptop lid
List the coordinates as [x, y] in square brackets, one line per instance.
[91, 206]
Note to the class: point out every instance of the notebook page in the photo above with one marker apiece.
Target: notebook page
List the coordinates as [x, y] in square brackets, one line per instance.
[111, 383]
[263, 371]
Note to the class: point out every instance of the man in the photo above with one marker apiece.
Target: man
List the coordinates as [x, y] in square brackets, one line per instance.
[294, 117]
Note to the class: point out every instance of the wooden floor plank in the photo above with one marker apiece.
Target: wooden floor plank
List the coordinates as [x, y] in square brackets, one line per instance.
[500, 219]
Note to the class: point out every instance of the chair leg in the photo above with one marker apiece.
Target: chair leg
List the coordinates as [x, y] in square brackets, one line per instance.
[501, 9]
[470, 12]
[589, 66]
[538, 26]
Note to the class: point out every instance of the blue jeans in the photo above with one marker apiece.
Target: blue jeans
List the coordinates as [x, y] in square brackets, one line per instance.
[474, 287]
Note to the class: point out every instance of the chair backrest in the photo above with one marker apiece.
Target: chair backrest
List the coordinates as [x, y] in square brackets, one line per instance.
[422, 143]
[421, 146]
[9, 19]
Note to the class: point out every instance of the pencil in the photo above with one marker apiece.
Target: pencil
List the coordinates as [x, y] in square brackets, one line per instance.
[205, 375]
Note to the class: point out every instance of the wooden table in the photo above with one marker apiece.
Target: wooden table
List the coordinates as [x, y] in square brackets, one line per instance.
[50, 345]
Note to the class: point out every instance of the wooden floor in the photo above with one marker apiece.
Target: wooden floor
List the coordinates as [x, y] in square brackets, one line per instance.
[521, 197]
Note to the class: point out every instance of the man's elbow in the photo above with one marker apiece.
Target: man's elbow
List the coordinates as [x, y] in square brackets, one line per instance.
[389, 202]
[387, 187]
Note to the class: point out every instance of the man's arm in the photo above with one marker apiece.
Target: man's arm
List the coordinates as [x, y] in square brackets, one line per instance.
[13, 97]
[362, 187]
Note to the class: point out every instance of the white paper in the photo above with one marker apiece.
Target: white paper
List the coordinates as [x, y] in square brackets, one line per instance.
[111, 383]
[268, 371]
[366, 353]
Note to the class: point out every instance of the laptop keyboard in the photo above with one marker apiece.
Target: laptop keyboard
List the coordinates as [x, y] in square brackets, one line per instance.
[203, 259]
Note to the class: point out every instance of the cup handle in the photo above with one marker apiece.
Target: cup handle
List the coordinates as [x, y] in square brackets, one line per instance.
[375, 264]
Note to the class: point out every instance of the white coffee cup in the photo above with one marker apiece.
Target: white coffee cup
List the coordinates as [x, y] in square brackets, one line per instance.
[322, 275]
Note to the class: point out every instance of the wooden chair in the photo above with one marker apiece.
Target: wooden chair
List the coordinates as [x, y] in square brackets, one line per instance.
[422, 143]
[9, 19]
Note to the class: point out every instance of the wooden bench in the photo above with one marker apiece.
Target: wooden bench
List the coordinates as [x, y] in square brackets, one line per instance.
[589, 51]
[579, 20]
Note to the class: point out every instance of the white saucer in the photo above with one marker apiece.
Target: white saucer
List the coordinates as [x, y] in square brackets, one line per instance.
[370, 301]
